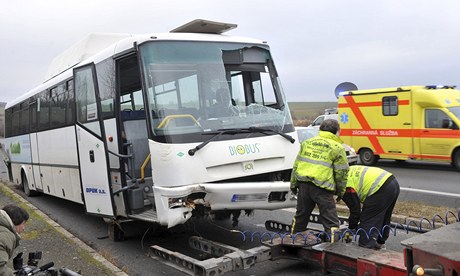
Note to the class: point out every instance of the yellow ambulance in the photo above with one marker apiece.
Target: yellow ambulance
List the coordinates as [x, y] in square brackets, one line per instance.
[401, 123]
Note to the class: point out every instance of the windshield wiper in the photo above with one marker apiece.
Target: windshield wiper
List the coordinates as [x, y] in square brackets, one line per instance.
[217, 133]
[234, 131]
[262, 130]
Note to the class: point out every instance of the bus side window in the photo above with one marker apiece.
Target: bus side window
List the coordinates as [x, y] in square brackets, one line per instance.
[44, 115]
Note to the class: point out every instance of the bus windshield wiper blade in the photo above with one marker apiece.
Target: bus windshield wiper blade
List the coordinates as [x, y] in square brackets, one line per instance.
[233, 131]
[260, 129]
[217, 133]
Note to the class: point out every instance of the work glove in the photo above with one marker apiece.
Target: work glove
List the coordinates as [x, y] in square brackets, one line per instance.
[294, 190]
[349, 234]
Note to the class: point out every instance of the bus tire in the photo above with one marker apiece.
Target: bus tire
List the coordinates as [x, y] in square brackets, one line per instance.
[367, 157]
[456, 159]
[25, 187]
[115, 233]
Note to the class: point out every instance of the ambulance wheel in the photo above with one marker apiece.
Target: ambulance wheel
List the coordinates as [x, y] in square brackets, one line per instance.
[367, 157]
[456, 159]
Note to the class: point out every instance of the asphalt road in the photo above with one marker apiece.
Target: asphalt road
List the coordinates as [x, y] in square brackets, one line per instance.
[132, 254]
[438, 177]
[432, 183]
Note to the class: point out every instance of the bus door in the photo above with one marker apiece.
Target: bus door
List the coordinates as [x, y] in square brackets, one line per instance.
[92, 148]
[37, 179]
[33, 109]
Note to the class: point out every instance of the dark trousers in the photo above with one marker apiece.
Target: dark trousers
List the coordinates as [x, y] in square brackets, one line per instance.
[308, 197]
[376, 212]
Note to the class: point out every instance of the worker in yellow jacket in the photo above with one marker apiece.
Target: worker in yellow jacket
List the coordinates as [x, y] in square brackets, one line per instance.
[320, 171]
[377, 190]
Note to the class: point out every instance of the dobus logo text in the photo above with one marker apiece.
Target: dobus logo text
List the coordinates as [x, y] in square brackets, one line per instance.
[244, 149]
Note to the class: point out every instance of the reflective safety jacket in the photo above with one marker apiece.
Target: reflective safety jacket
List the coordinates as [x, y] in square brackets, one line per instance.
[366, 180]
[323, 161]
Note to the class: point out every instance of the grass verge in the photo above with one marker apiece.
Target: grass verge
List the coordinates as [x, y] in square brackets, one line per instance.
[417, 210]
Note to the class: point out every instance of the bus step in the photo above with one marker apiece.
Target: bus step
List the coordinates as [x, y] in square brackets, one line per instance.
[149, 215]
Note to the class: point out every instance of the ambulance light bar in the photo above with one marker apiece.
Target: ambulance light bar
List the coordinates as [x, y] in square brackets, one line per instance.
[440, 87]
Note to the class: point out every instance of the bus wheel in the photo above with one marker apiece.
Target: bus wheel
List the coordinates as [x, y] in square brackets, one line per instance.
[456, 159]
[115, 232]
[25, 187]
[367, 157]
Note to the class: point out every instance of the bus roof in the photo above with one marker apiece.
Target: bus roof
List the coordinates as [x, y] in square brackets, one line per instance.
[98, 46]
[96, 42]
[204, 26]
[83, 49]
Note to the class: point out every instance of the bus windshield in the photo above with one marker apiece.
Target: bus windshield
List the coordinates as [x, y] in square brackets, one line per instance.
[198, 87]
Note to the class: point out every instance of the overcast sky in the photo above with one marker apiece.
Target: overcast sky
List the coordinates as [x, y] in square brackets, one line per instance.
[316, 44]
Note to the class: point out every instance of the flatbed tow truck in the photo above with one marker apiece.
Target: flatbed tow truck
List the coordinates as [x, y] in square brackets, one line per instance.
[434, 252]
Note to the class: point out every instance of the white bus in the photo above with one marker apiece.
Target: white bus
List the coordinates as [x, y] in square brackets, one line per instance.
[157, 127]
